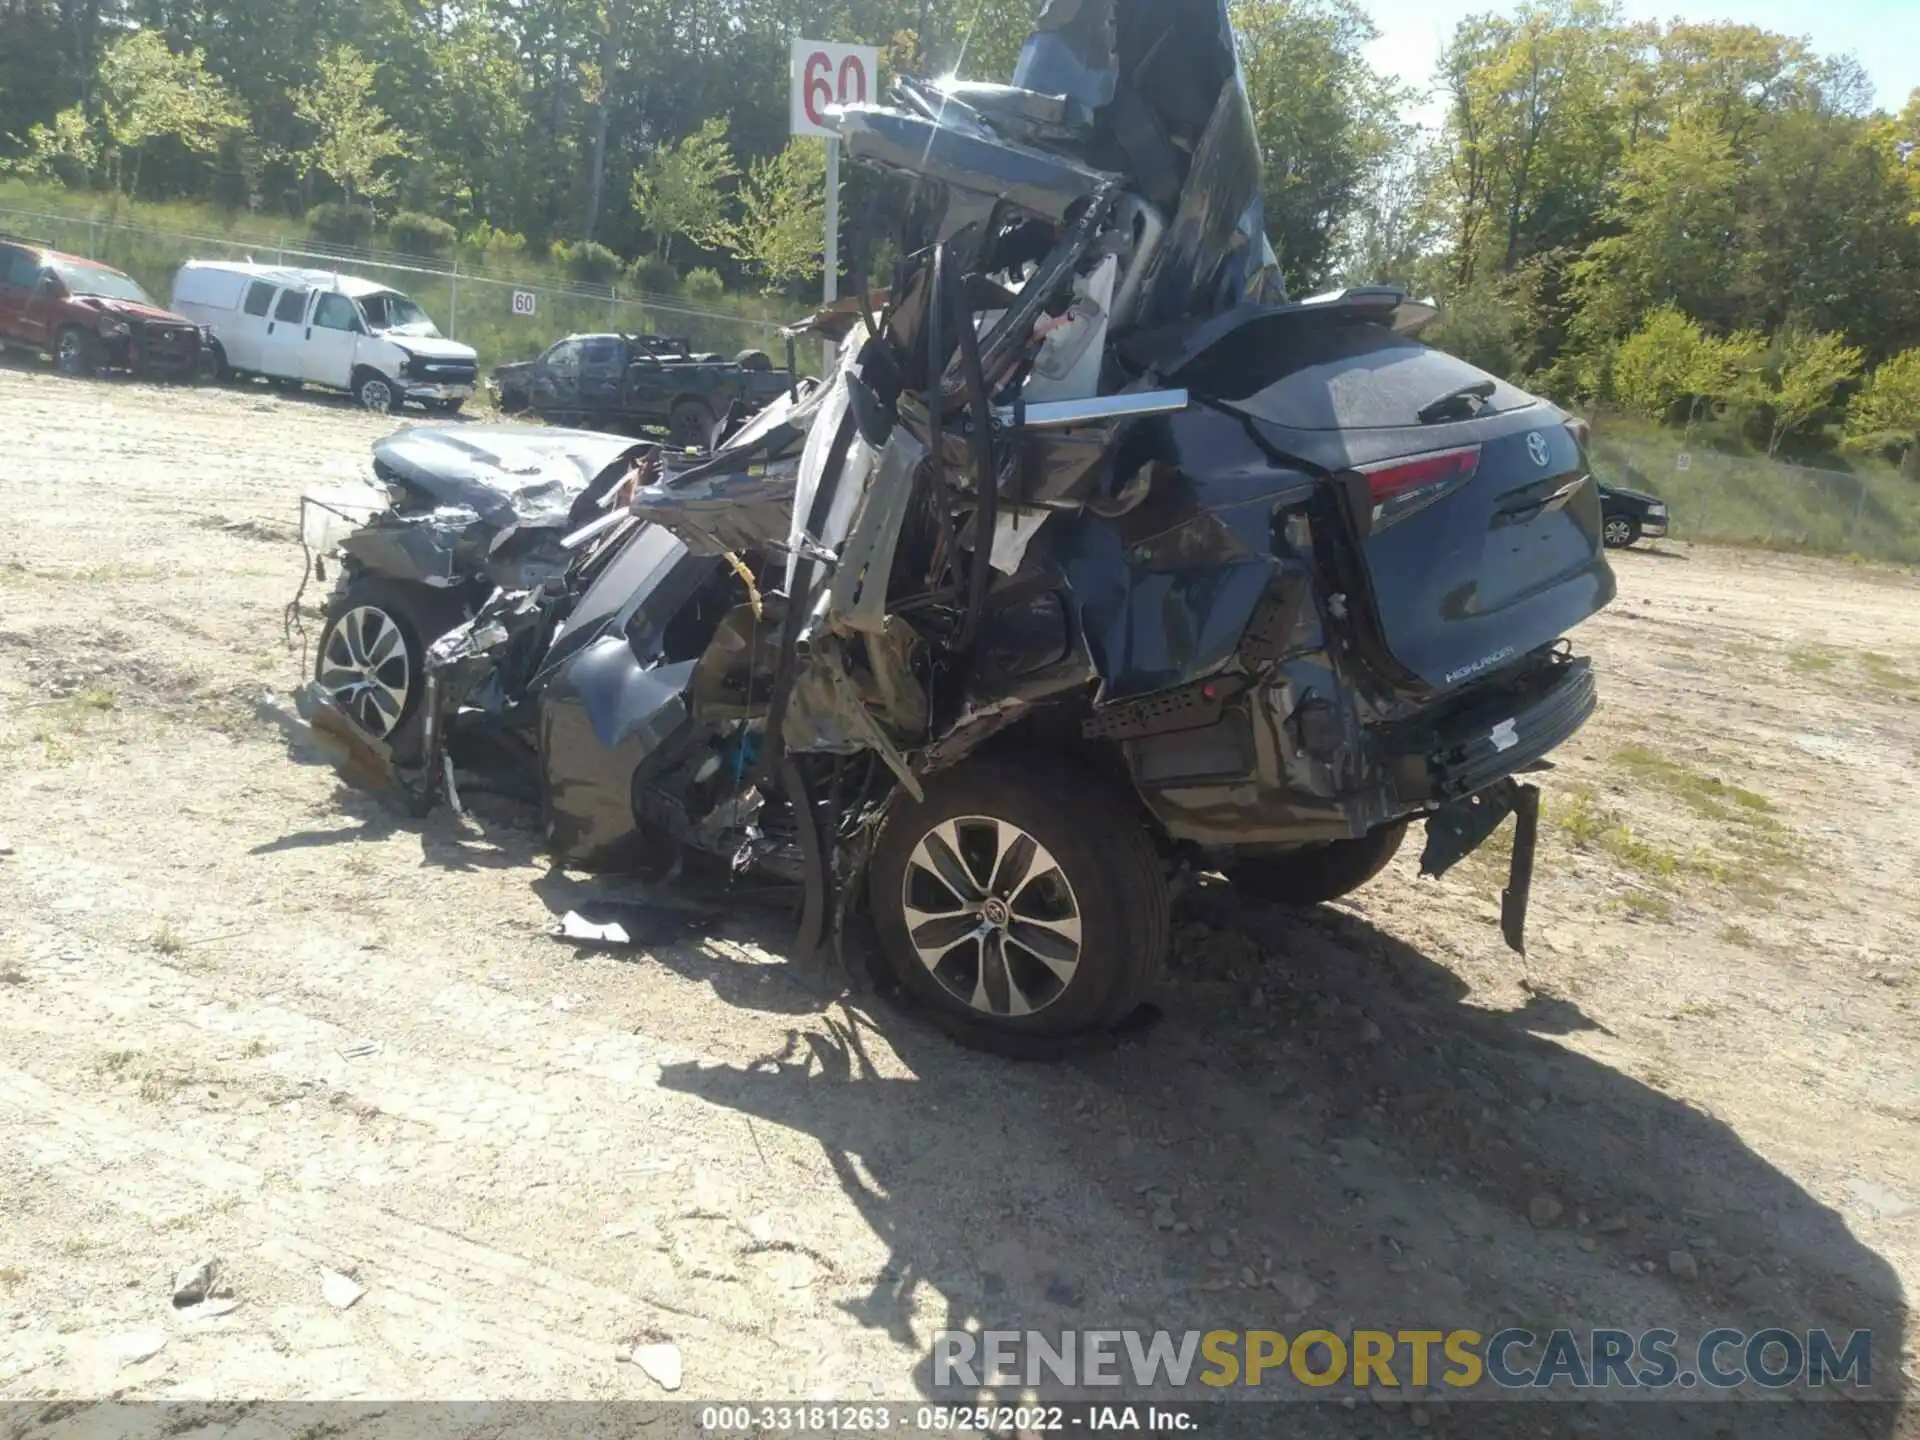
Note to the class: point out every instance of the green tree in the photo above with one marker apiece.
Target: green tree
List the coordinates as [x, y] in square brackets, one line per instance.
[783, 215]
[680, 191]
[1671, 358]
[353, 139]
[144, 92]
[1534, 127]
[1676, 205]
[1803, 374]
[477, 119]
[1885, 415]
[67, 149]
[1327, 122]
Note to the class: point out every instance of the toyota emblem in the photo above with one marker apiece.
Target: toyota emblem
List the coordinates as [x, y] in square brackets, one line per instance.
[1537, 447]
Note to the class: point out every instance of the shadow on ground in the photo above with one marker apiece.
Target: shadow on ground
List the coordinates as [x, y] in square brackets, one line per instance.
[1322, 1133]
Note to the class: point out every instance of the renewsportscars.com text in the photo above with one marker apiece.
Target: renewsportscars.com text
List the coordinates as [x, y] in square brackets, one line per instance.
[1314, 1361]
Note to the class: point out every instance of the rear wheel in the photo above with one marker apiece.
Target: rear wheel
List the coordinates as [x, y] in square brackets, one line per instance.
[78, 352]
[373, 653]
[1319, 873]
[1621, 532]
[1026, 900]
[690, 426]
[757, 360]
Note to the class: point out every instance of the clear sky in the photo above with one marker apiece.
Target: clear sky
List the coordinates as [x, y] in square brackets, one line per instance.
[1884, 35]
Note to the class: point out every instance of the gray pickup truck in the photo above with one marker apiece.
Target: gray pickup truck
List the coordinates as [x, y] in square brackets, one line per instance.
[638, 384]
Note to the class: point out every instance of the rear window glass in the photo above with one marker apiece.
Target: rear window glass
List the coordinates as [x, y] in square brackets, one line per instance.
[259, 298]
[1338, 377]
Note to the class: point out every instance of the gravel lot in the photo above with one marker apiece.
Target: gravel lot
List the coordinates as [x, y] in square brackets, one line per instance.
[245, 1014]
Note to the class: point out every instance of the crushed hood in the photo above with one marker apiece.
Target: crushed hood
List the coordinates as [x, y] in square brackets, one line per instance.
[133, 310]
[510, 476]
[430, 347]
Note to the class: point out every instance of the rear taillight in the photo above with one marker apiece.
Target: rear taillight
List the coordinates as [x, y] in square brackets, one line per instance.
[1399, 488]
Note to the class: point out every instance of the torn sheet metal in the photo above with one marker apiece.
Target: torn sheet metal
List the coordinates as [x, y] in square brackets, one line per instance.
[440, 549]
[725, 514]
[857, 601]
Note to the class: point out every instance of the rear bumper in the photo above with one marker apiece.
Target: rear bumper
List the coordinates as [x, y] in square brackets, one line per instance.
[1497, 733]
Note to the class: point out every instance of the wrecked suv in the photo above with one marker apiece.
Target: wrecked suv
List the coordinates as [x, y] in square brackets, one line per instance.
[1094, 559]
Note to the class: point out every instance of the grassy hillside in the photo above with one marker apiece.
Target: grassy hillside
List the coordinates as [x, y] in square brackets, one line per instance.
[1721, 490]
[151, 242]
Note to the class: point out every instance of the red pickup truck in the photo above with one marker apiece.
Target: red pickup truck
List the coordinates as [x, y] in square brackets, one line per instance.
[89, 317]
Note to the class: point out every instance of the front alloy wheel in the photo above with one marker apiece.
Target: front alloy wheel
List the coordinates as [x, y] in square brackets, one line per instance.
[1620, 532]
[373, 657]
[992, 917]
[367, 670]
[376, 395]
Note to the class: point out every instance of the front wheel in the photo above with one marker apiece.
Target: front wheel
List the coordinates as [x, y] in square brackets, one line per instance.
[78, 353]
[1024, 899]
[373, 654]
[1621, 532]
[1319, 873]
[375, 394]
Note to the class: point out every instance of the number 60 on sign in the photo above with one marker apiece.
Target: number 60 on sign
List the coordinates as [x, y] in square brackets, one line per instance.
[825, 75]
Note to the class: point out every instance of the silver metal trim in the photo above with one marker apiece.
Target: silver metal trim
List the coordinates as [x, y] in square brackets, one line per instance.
[1064, 414]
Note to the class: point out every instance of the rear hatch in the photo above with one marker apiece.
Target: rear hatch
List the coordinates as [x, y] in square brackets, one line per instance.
[1472, 524]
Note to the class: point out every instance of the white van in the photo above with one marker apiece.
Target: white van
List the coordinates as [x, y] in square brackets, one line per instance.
[320, 328]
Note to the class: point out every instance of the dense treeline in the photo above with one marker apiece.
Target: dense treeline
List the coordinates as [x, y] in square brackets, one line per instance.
[1679, 219]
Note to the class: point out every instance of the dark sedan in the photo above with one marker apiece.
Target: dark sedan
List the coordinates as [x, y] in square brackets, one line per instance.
[1630, 516]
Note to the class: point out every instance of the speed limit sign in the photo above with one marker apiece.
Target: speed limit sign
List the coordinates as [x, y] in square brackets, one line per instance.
[524, 302]
[826, 75]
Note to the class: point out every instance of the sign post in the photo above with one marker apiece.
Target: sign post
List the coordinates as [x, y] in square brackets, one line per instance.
[825, 75]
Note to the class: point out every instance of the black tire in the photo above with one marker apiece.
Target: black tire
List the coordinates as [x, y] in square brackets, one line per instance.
[1620, 532]
[1319, 873]
[419, 616]
[1115, 888]
[78, 352]
[690, 426]
[214, 367]
[757, 360]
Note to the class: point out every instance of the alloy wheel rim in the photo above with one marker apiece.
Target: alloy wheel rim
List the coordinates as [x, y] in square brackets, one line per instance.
[367, 671]
[1618, 531]
[70, 351]
[377, 397]
[992, 917]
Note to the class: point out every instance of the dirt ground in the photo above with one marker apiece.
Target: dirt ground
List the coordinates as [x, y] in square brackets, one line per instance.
[246, 1014]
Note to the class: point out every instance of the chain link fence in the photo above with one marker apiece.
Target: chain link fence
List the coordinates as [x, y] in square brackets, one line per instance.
[1748, 499]
[504, 317]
